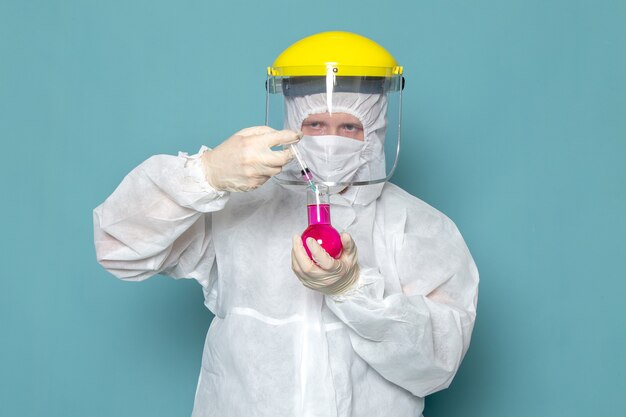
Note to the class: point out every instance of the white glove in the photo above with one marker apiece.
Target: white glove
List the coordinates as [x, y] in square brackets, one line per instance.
[245, 161]
[327, 274]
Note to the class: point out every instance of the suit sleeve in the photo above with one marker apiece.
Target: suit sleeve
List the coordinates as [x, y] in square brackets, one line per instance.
[158, 221]
[414, 325]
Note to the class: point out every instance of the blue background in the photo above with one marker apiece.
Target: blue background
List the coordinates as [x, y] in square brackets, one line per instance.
[514, 126]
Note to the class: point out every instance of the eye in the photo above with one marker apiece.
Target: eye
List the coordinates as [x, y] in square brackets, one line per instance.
[312, 126]
[351, 130]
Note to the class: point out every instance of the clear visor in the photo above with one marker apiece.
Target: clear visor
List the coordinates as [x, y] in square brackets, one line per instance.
[351, 127]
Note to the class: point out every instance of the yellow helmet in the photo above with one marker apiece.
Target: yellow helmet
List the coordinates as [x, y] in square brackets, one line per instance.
[343, 53]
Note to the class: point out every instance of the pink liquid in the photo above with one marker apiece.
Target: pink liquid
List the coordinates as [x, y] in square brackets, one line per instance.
[321, 230]
[318, 213]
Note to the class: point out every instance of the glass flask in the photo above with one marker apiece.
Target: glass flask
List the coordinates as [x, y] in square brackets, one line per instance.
[320, 229]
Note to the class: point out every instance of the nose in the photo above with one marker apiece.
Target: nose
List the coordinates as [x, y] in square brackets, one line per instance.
[333, 130]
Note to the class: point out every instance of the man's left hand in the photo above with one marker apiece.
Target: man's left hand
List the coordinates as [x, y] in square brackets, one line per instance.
[326, 274]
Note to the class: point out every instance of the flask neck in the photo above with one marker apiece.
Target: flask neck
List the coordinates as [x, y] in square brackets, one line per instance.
[318, 213]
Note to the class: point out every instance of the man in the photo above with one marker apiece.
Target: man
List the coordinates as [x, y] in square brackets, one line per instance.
[370, 333]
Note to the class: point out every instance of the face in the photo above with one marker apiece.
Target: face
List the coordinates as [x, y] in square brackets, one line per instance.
[337, 124]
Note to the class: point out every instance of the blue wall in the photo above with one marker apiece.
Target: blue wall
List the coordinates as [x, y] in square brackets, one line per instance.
[515, 126]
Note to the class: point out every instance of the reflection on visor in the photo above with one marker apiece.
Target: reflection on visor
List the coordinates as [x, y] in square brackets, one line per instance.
[301, 86]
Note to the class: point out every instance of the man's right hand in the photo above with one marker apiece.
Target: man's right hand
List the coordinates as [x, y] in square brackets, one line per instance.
[245, 161]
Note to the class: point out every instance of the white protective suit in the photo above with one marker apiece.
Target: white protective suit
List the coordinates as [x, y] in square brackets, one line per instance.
[275, 347]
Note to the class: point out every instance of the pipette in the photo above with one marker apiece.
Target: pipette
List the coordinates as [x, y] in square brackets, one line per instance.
[306, 172]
